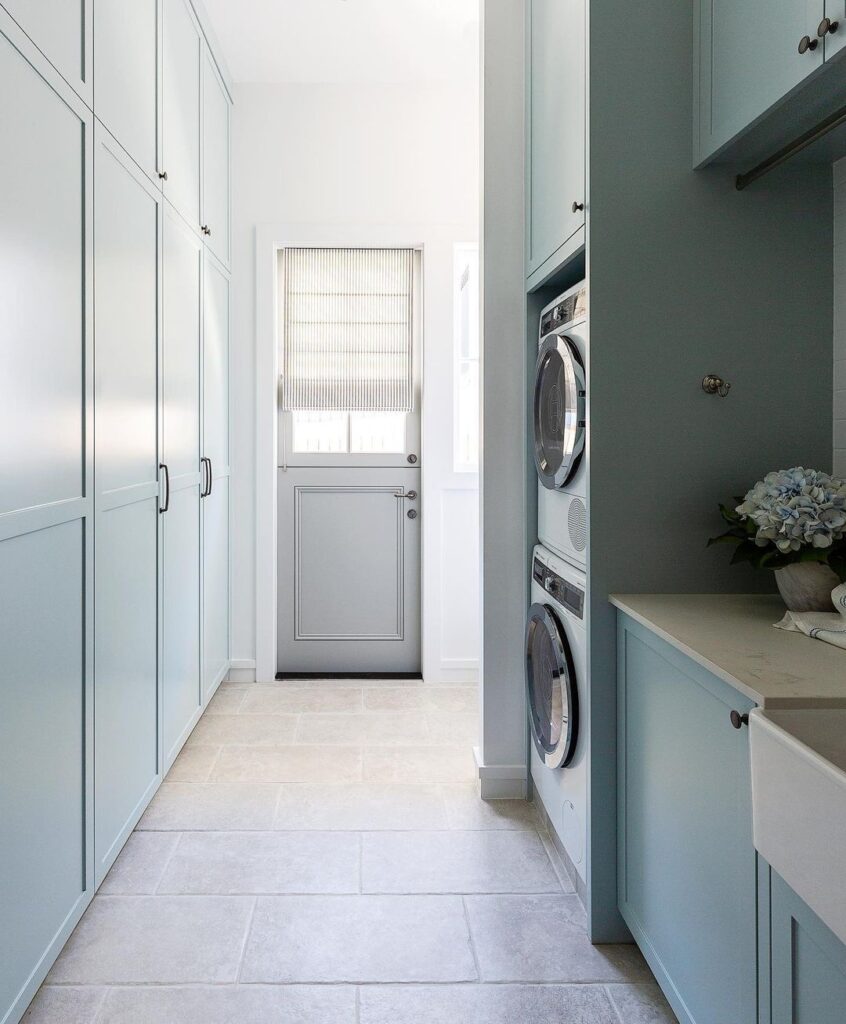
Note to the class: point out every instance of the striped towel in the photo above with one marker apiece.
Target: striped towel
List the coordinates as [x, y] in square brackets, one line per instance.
[828, 626]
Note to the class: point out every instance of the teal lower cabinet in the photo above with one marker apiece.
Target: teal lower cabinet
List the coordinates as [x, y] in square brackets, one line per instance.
[807, 963]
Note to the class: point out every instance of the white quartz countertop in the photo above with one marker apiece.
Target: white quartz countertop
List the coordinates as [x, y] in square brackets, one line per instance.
[732, 636]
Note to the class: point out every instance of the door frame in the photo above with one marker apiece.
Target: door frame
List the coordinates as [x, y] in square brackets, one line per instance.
[269, 239]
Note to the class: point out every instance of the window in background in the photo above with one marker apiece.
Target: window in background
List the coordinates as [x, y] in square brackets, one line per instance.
[348, 323]
[466, 372]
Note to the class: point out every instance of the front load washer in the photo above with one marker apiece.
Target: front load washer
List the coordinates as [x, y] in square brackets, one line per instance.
[559, 423]
[556, 690]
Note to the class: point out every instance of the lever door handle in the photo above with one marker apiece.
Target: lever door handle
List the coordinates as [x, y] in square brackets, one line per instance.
[411, 495]
[164, 507]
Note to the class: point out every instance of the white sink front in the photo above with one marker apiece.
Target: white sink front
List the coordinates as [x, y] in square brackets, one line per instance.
[799, 803]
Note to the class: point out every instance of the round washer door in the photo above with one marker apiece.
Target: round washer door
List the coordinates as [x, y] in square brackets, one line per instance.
[551, 687]
[559, 411]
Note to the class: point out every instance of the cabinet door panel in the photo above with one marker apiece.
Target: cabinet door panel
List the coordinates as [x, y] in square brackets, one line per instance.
[61, 30]
[126, 472]
[182, 51]
[556, 125]
[687, 877]
[835, 41]
[750, 60]
[215, 585]
[182, 265]
[215, 160]
[125, 84]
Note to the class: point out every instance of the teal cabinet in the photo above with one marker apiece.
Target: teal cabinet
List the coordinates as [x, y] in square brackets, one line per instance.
[807, 961]
[687, 871]
[555, 126]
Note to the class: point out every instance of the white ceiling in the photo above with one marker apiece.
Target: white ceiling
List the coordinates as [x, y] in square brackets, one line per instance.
[348, 41]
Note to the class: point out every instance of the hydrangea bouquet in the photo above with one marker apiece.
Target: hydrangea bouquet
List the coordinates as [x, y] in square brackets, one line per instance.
[794, 515]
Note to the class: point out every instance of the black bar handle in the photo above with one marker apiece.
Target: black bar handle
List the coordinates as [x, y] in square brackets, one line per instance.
[166, 506]
[211, 478]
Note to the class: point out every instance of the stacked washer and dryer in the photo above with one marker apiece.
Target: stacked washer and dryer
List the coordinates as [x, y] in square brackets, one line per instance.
[556, 647]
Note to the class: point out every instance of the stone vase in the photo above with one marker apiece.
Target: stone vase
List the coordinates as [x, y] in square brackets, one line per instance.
[807, 586]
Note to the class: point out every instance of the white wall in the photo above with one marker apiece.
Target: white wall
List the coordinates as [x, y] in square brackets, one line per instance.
[347, 155]
[840, 318]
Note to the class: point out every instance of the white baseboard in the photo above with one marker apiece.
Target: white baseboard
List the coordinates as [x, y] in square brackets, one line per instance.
[501, 781]
[242, 670]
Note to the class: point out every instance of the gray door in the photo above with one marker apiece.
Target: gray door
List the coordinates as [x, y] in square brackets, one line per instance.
[182, 263]
[348, 484]
[126, 253]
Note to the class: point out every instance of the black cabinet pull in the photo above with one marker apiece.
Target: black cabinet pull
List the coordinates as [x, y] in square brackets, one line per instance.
[166, 505]
[738, 720]
[211, 477]
[163, 175]
[826, 26]
[206, 484]
[578, 206]
[806, 43]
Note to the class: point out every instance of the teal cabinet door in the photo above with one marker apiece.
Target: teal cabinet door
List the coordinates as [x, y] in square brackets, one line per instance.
[182, 50]
[808, 963]
[555, 186]
[62, 31]
[687, 866]
[835, 11]
[216, 123]
[748, 59]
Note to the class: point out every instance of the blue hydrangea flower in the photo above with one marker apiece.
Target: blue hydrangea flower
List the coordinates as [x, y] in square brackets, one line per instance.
[794, 508]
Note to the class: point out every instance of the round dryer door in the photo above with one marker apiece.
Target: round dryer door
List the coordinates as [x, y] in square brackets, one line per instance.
[559, 411]
[551, 687]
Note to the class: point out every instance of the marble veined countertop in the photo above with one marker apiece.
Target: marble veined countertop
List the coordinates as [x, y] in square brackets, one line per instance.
[732, 636]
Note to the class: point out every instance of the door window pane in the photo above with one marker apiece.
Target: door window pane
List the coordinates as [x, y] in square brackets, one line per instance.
[376, 432]
[319, 432]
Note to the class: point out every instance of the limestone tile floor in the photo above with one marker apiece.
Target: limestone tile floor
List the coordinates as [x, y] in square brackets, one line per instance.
[318, 854]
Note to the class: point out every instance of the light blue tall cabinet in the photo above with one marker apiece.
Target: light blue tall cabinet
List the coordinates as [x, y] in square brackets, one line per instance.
[114, 361]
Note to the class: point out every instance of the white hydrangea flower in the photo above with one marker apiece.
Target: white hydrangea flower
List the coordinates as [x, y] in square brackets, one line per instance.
[795, 508]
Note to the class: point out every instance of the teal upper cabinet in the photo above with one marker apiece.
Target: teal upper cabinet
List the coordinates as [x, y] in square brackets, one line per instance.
[750, 55]
[687, 866]
[215, 161]
[181, 70]
[835, 11]
[808, 963]
[62, 30]
[126, 76]
[555, 125]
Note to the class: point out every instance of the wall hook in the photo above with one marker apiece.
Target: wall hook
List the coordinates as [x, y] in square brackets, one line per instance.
[714, 385]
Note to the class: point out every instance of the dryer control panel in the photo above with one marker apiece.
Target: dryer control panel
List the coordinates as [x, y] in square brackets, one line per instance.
[565, 593]
[571, 306]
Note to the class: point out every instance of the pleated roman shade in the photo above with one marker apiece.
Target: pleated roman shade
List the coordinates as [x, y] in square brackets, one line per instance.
[348, 324]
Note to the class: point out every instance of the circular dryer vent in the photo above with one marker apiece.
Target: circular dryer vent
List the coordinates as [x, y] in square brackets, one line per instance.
[577, 524]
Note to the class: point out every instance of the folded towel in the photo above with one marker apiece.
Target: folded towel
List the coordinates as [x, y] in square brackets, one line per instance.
[828, 626]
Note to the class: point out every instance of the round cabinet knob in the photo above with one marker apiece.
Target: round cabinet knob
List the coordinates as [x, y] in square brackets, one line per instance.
[163, 175]
[826, 26]
[412, 513]
[738, 720]
[577, 207]
[806, 43]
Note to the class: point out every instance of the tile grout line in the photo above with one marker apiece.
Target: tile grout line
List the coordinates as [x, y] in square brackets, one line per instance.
[99, 1010]
[358, 1004]
[247, 934]
[479, 979]
[213, 765]
[610, 998]
[167, 862]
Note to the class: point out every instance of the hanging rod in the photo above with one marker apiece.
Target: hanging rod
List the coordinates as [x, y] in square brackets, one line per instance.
[802, 142]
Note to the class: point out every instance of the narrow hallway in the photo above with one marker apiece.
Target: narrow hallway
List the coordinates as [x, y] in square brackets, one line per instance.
[318, 853]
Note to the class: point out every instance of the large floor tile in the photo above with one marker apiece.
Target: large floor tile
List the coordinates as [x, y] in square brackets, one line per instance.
[461, 862]
[222, 805]
[370, 728]
[264, 862]
[537, 938]
[358, 939]
[453, 727]
[421, 698]
[63, 1004]
[227, 700]
[641, 1004]
[140, 864]
[486, 1004]
[156, 940]
[193, 764]
[244, 730]
[419, 764]
[467, 810]
[297, 763]
[286, 700]
[360, 806]
[225, 1004]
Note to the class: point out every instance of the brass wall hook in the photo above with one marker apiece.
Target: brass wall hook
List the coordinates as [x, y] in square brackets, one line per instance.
[714, 385]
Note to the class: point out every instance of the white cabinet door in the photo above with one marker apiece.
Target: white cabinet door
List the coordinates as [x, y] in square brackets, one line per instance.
[215, 501]
[215, 161]
[556, 126]
[748, 60]
[61, 29]
[126, 86]
[182, 266]
[181, 57]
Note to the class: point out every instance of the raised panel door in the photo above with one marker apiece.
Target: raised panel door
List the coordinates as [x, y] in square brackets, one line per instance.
[182, 49]
[61, 29]
[216, 108]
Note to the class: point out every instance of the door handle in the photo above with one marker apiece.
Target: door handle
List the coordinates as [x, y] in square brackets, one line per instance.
[211, 477]
[206, 484]
[166, 505]
[411, 495]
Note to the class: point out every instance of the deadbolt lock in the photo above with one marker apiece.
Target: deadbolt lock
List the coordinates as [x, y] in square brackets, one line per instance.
[412, 513]
[411, 458]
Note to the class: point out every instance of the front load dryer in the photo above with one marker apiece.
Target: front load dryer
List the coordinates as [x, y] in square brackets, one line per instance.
[559, 425]
[556, 691]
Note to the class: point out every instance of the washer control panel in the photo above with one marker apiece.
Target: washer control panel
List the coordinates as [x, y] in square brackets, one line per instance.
[565, 593]
[571, 306]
